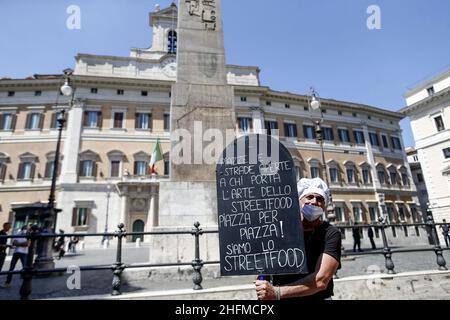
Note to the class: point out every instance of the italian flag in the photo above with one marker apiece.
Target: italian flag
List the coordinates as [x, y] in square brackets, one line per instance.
[156, 156]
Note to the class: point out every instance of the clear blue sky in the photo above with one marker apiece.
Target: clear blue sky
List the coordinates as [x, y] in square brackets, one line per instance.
[296, 43]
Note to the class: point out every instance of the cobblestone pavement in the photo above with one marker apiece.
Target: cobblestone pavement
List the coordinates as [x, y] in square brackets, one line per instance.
[99, 282]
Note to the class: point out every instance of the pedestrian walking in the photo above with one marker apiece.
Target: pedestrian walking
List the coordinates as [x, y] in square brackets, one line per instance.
[20, 253]
[371, 235]
[445, 229]
[4, 243]
[356, 231]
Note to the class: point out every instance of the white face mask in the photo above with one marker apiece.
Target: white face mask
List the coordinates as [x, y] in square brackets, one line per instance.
[312, 213]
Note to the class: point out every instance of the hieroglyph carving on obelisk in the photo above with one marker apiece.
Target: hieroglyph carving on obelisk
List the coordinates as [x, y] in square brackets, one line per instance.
[206, 10]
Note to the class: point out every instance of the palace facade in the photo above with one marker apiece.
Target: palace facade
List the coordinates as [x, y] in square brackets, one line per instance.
[121, 108]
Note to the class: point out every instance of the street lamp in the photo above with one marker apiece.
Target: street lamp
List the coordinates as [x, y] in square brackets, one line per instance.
[44, 259]
[315, 105]
[105, 241]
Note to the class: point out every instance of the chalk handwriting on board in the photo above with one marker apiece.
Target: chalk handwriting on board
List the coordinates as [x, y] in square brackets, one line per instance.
[258, 209]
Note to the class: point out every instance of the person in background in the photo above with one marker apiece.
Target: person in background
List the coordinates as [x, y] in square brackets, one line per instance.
[356, 231]
[445, 228]
[59, 245]
[4, 243]
[20, 253]
[73, 244]
[371, 235]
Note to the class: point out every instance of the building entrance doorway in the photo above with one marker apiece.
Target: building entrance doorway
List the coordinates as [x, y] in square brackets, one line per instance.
[138, 226]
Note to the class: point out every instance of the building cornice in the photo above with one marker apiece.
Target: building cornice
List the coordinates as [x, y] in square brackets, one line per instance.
[121, 58]
[427, 84]
[409, 110]
[268, 94]
[261, 91]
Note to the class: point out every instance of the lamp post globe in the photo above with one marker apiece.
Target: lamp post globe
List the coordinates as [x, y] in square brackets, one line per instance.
[66, 89]
[315, 104]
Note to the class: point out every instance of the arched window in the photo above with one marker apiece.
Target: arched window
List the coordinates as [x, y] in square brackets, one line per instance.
[88, 164]
[333, 171]
[366, 172]
[392, 174]
[49, 166]
[141, 164]
[381, 173]
[404, 175]
[4, 159]
[314, 166]
[172, 42]
[116, 160]
[298, 169]
[351, 173]
[27, 166]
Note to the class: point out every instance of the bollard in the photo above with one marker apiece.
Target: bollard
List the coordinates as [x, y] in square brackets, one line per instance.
[82, 246]
[25, 289]
[138, 242]
[386, 251]
[118, 267]
[106, 244]
[437, 247]
[197, 264]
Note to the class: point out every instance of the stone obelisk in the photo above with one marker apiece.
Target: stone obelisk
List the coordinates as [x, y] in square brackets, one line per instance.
[201, 100]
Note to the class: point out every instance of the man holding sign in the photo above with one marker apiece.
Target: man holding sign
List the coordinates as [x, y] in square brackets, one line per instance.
[322, 247]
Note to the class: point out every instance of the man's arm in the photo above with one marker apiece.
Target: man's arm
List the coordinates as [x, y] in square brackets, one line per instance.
[24, 244]
[312, 284]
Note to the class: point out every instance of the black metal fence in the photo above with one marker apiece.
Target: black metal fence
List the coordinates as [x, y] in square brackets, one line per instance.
[117, 268]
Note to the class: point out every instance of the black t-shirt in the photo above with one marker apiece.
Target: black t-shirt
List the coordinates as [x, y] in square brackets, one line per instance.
[324, 239]
[445, 228]
[3, 241]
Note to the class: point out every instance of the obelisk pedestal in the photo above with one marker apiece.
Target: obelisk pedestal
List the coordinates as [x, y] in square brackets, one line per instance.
[201, 100]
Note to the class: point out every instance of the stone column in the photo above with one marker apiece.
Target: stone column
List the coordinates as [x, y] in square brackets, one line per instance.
[124, 207]
[69, 172]
[375, 181]
[258, 120]
[152, 219]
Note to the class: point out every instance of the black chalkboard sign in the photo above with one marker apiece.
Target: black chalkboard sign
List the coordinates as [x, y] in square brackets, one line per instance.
[258, 209]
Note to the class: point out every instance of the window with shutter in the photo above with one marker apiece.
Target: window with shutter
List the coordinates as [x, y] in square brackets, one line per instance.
[166, 167]
[86, 119]
[27, 122]
[140, 168]
[328, 134]
[291, 131]
[14, 120]
[99, 120]
[20, 172]
[74, 217]
[115, 169]
[95, 169]
[81, 169]
[41, 121]
[309, 132]
[80, 217]
[166, 122]
[118, 120]
[33, 169]
[53, 124]
[2, 172]
[48, 169]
